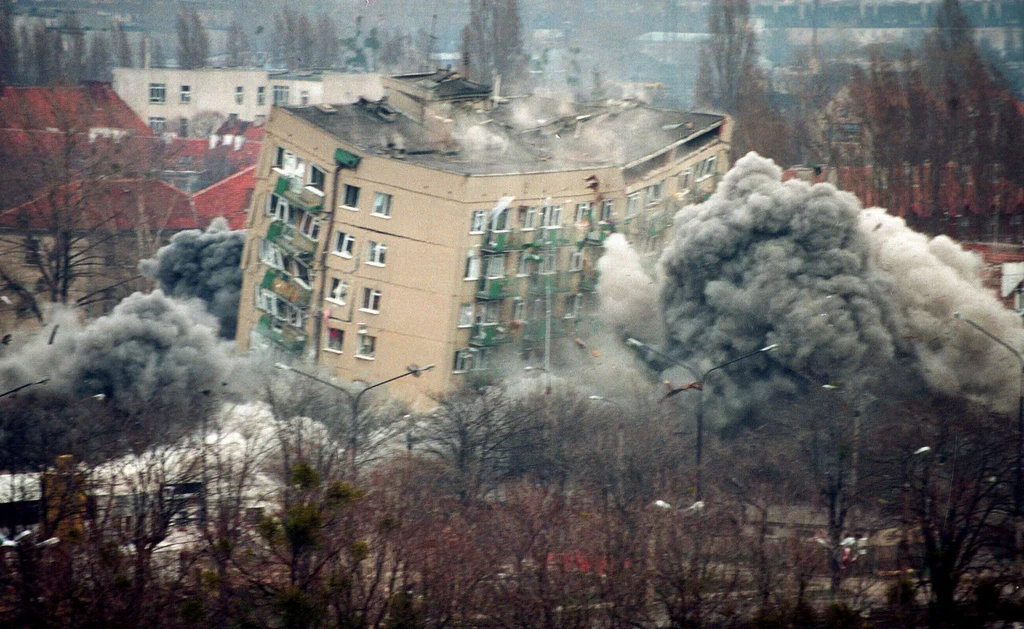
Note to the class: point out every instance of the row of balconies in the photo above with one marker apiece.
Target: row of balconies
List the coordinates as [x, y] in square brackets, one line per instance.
[536, 284]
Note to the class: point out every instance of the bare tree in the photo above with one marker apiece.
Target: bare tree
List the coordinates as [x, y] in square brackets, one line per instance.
[193, 42]
[492, 42]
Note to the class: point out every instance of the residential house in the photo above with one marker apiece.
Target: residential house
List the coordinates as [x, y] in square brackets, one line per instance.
[442, 225]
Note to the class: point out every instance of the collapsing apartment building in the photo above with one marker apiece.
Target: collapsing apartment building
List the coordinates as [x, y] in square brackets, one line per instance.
[443, 225]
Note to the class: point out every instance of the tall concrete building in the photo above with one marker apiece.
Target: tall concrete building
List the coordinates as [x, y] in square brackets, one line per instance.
[443, 225]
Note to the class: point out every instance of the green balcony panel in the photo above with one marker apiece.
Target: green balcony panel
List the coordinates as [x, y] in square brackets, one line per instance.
[489, 336]
[287, 337]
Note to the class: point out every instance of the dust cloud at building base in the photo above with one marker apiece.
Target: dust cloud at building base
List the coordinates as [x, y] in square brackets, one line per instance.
[852, 296]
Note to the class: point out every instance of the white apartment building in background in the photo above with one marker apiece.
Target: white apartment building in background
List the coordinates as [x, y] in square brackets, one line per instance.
[169, 99]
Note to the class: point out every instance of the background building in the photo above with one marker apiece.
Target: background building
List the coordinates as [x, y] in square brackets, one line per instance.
[195, 102]
[457, 230]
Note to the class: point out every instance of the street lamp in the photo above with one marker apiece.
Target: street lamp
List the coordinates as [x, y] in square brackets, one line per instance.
[1018, 488]
[697, 384]
[354, 400]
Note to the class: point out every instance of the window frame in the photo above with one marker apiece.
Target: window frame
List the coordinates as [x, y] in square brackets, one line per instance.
[329, 345]
[473, 265]
[478, 221]
[317, 177]
[261, 95]
[361, 346]
[157, 93]
[584, 212]
[347, 191]
[278, 91]
[376, 253]
[370, 302]
[239, 94]
[607, 209]
[464, 318]
[382, 203]
[344, 244]
[338, 285]
[551, 216]
[530, 218]
[185, 95]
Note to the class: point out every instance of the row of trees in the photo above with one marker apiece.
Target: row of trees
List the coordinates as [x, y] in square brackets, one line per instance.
[534, 509]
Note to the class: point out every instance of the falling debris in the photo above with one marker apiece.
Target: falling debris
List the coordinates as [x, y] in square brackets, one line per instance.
[203, 264]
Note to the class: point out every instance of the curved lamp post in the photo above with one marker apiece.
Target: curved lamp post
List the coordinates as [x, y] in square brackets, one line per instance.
[354, 400]
[697, 385]
[1018, 486]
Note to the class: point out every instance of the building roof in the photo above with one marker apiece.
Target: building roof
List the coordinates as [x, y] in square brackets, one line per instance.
[107, 204]
[228, 198]
[445, 85]
[88, 106]
[518, 136]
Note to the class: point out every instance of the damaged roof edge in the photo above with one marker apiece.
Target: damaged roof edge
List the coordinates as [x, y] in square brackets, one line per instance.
[689, 138]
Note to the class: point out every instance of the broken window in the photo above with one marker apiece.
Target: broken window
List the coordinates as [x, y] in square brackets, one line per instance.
[339, 291]
[271, 255]
[335, 339]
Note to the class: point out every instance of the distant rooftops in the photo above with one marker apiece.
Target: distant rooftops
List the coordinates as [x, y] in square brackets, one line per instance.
[519, 135]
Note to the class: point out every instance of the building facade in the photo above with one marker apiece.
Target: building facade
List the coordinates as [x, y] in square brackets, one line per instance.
[169, 100]
[439, 226]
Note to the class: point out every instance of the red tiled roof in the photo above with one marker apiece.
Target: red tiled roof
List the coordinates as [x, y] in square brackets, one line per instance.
[228, 198]
[108, 204]
[82, 107]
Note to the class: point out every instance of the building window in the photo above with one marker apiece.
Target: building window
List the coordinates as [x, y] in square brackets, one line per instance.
[371, 300]
[279, 209]
[309, 226]
[551, 216]
[376, 254]
[339, 291]
[656, 192]
[684, 179]
[477, 221]
[300, 273]
[304, 97]
[583, 212]
[549, 261]
[157, 93]
[524, 264]
[488, 313]
[519, 310]
[465, 315]
[530, 218]
[496, 266]
[472, 265]
[317, 178]
[280, 95]
[271, 255]
[500, 221]
[344, 244]
[576, 260]
[183, 127]
[158, 124]
[463, 361]
[261, 95]
[186, 94]
[367, 346]
[633, 204]
[607, 209]
[382, 204]
[572, 307]
[335, 339]
[239, 94]
[351, 198]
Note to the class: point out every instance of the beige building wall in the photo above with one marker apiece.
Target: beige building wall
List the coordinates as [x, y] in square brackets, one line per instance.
[428, 238]
[217, 90]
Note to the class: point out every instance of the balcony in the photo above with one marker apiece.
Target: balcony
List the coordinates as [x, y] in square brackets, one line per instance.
[279, 283]
[535, 330]
[600, 232]
[290, 339]
[292, 241]
[298, 194]
[489, 336]
[558, 282]
[500, 242]
[497, 287]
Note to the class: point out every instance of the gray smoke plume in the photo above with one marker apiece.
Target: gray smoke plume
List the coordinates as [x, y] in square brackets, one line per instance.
[627, 292]
[203, 264]
[151, 351]
[852, 297]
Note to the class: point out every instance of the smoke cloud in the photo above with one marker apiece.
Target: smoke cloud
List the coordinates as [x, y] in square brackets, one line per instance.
[151, 351]
[853, 297]
[628, 294]
[203, 264]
